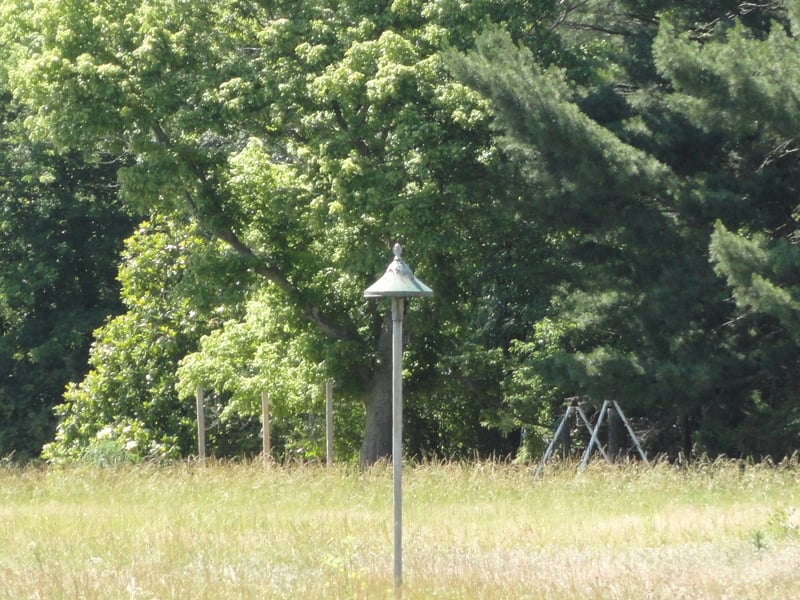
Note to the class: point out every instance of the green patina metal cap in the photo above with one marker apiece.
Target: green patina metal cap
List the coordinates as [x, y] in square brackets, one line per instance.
[398, 281]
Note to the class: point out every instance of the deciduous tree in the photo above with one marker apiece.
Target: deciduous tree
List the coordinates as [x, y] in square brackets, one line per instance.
[61, 228]
[307, 136]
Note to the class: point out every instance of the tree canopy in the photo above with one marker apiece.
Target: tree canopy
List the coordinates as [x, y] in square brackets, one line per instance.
[62, 229]
[646, 194]
[601, 194]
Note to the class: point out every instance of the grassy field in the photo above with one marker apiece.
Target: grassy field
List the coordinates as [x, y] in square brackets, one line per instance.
[470, 531]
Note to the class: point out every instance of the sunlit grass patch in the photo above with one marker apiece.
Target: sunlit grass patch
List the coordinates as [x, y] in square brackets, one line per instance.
[471, 530]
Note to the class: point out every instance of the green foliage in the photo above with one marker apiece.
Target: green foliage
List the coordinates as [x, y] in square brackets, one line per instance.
[306, 136]
[532, 402]
[761, 273]
[560, 180]
[129, 393]
[719, 80]
[268, 350]
[630, 185]
[62, 229]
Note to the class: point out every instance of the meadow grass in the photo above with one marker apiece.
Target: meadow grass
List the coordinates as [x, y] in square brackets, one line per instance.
[472, 530]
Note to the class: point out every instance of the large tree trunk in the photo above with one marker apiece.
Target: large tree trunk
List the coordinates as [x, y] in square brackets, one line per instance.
[378, 427]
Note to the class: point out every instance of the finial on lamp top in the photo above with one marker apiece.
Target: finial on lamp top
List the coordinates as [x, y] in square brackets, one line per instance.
[398, 281]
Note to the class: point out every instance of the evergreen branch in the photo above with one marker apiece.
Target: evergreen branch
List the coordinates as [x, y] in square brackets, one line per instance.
[780, 151]
[567, 10]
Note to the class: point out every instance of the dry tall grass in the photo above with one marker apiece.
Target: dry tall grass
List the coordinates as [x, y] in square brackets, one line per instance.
[470, 531]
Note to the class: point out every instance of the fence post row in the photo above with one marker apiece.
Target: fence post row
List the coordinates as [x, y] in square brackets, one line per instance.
[267, 446]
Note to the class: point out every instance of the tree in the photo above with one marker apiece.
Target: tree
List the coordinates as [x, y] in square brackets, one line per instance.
[127, 405]
[740, 80]
[61, 227]
[631, 166]
[308, 137]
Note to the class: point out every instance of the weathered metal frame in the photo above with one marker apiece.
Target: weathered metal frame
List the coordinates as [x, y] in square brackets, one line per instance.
[594, 431]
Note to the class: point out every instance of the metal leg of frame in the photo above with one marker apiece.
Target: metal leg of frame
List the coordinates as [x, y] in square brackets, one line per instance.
[631, 432]
[591, 431]
[557, 436]
[593, 441]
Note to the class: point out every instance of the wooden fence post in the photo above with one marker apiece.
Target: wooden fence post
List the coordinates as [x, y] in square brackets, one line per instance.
[329, 422]
[267, 446]
[201, 425]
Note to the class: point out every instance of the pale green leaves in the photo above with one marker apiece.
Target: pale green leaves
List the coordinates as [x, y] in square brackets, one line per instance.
[264, 352]
[793, 8]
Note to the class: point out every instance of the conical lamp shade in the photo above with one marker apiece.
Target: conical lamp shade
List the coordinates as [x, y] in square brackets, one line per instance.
[398, 281]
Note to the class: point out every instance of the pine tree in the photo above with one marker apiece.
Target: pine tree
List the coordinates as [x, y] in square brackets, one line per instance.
[630, 166]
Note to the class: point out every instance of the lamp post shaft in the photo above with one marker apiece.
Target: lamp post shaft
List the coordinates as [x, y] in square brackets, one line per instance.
[397, 435]
[397, 283]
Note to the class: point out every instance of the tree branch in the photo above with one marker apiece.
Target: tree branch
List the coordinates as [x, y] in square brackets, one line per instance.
[360, 145]
[568, 9]
[780, 151]
[330, 327]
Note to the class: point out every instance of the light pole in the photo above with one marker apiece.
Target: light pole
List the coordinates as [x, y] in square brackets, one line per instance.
[397, 283]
